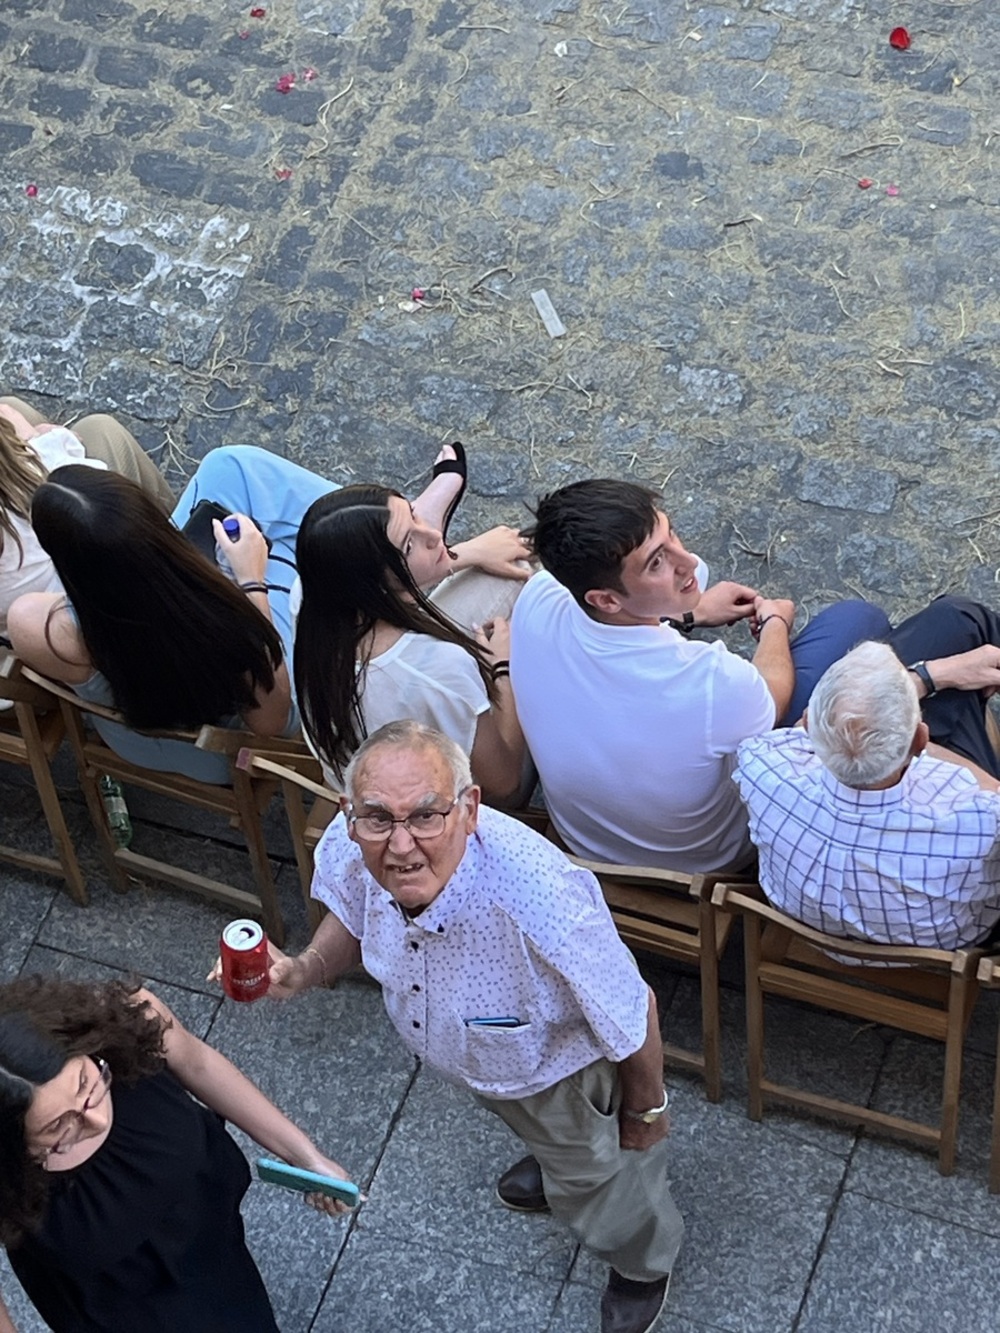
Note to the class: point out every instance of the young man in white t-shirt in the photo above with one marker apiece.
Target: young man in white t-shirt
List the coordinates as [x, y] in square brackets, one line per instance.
[633, 725]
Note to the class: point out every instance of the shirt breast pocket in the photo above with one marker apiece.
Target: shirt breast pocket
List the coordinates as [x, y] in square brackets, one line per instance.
[499, 1057]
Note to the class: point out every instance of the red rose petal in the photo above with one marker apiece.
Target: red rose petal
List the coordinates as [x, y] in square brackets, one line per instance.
[308, 74]
[243, 35]
[31, 191]
[282, 173]
[865, 183]
[286, 83]
[417, 294]
[892, 190]
[899, 38]
[257, 13]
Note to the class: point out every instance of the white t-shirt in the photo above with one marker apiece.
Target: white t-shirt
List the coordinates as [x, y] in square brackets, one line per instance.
[32, 571]
[421, 678]
[633, 729]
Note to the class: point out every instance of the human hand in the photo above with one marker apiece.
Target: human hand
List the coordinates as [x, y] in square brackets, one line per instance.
[247, 556]
[763, 607]
[494, 637]
[325, 1166]
[501, 551]
[978, 669]
[724, 604]
[637, 1136]
[286, 975]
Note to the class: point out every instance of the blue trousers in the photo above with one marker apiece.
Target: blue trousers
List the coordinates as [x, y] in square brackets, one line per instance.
[273, 492]
[825, 640]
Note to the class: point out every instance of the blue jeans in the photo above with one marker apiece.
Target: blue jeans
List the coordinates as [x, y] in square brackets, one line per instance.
[272, 491]
[825, 640]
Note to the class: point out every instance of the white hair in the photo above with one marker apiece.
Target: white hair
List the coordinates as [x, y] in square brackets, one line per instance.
[411, 736]
[863, 715]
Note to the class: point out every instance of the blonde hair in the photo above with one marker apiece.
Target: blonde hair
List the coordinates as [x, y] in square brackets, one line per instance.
[21, 473]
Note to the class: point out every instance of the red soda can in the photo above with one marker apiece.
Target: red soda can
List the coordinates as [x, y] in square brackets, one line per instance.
[243, 948]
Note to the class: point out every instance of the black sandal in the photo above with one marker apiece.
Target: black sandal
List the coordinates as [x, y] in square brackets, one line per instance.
[457, 464]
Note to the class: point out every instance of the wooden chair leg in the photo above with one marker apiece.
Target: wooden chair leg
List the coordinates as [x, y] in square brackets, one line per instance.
[710, 1024]
[49, 797]
[954, 1038]
[243, 788]
[995, 1134]
[89, 780]
[755, 1018]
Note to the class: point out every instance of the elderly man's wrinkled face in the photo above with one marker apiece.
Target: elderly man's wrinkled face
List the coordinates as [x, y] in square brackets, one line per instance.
[419, 856]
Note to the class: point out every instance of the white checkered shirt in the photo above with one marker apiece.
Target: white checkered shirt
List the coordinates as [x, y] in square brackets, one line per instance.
[917, 863]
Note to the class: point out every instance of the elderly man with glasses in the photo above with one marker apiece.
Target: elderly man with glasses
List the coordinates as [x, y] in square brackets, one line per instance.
[501, 968]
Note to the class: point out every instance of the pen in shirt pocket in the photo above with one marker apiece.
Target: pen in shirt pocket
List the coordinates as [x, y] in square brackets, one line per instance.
[499, 1021]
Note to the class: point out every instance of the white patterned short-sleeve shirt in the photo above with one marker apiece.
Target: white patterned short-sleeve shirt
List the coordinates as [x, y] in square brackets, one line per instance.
[517, 933]
[917, 863]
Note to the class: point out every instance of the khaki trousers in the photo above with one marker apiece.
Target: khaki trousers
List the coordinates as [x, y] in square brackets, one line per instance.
[107, 440]
[615, 1202]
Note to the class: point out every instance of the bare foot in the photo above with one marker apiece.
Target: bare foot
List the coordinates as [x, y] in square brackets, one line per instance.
[432, 503]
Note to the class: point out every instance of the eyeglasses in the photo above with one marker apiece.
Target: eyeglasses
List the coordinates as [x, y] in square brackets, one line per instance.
[420, 824]
[67, 1128]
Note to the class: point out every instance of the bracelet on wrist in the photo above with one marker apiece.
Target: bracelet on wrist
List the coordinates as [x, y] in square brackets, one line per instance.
[773, 616]
[683, 626]
[254, 587]
[322, 963]
[500, 668]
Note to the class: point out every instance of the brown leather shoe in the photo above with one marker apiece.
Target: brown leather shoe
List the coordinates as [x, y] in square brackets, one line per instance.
[521, 1188]
[632, 1307]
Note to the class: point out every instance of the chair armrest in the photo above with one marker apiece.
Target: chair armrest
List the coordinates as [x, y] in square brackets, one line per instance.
[260, 766]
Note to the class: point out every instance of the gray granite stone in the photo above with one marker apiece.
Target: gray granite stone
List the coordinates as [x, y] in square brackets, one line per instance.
[730, 1178]
[25, 900]
[159, 932]
[195, 1011]
[884, 1267]
[458, 1211]
[843, 485]
[400, 1287]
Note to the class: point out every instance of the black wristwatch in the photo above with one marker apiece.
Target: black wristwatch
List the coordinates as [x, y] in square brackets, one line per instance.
[685, 625]
[920, 669]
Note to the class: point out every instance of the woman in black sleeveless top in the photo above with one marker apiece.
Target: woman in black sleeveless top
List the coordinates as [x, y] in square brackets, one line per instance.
[119, 1194]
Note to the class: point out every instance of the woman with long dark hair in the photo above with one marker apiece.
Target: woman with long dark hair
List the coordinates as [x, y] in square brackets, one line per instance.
[30, 448]
[119, 1193]
[374, 648]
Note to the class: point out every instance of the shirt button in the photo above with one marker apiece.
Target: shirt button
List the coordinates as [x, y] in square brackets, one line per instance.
[414, 944]
[416, 990]
[415, 1023]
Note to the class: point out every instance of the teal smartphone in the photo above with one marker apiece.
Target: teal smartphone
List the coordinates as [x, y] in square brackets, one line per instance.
[307, 1182]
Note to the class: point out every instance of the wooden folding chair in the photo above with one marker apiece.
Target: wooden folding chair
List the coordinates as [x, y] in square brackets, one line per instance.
[927, 992]
[241, 801]
[671, 914]
[989, 976]
[31, 732]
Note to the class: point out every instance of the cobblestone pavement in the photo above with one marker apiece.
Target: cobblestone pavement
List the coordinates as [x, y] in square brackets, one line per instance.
[807, 366]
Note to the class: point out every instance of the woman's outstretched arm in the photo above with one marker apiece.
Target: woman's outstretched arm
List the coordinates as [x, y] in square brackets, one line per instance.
[217, 1082]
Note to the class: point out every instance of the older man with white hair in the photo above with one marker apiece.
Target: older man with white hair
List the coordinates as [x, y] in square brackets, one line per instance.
[866, 830]
[501, 968]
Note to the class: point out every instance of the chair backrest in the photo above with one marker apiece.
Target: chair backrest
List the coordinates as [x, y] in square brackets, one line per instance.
[31, 731]
[228, 792]
[927, 992]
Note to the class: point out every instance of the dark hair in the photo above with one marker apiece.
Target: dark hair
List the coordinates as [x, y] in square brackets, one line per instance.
[584, 531]
[178, 643]
[353, 578]
[43, 1023]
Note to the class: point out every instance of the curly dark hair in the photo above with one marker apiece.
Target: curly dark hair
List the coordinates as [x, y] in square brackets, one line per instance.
[43, 1023]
